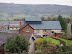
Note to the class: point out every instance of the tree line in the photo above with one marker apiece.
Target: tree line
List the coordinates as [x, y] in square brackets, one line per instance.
[63, 21]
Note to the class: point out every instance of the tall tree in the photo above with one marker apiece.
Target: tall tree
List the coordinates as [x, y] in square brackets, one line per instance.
[71, 18]
[62, 22]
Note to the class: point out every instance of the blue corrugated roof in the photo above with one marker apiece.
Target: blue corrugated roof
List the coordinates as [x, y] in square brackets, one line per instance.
[33, 19]
[47, 25]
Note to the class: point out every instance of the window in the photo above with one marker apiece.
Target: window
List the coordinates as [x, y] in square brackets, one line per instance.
[27, 29]
[52, 31]
[44, 30]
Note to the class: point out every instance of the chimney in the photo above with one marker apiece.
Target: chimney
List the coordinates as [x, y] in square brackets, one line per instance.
[20, 24]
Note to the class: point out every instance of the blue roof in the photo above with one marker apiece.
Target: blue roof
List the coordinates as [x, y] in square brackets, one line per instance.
[47, 25]
[33, 19]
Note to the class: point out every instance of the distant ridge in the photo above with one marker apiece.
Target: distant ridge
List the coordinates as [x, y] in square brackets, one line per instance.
[35, 10]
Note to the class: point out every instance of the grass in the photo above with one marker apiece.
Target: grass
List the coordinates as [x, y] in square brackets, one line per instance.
[52, 40]
[67, 41]
[57, 41]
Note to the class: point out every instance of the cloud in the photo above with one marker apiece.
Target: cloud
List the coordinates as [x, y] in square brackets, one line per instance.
[61, 2]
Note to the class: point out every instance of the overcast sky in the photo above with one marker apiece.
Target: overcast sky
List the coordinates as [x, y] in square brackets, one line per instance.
[60, 2]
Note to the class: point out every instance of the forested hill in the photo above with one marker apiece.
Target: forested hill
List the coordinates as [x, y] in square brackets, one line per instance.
[34, 10]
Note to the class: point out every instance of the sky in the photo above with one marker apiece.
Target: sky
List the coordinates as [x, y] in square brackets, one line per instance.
[60, 2]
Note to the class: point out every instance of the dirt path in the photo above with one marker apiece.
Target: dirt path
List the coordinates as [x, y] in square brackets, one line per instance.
[31, 47]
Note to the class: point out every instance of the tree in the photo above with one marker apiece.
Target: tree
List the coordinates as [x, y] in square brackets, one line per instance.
[62, 22]
[17, 44]
[43, 18]
[49, 19]
[71, 18]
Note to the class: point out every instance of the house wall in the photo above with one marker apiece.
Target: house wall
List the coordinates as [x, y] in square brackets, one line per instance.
[48, 32]
[31, 30]
[56, 30]
[14, 28]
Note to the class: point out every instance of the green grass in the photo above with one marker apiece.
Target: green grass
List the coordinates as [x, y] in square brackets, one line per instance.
[52, 40]
[67, 41]
[57, 41]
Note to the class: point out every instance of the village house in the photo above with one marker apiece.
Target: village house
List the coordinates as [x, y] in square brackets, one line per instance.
[36, 26]
[32, 25]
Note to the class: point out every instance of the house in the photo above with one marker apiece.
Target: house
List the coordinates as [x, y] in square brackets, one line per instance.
[39, 27]
[32, 25]
[14, 27]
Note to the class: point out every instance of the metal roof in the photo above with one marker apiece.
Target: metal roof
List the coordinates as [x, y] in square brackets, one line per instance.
[47, 25]
[33, 19]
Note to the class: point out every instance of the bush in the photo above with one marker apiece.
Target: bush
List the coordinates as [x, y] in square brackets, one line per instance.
[68, 37]
[17, 44]
[71, 45]
[38, 41]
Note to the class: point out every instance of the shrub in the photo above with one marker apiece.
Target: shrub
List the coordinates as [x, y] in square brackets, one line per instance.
[17, 44]
[71, 45]
[38, 44]
[38, 41]
[68, 37]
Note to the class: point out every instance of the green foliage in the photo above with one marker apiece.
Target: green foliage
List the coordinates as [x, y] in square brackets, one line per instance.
[38, 41]
[64, 48]
[17, 44]
[71, 28]
[51, 40]
[67, 41]
[49, 47]
[44, 43]
[11, 45]
[62, 22]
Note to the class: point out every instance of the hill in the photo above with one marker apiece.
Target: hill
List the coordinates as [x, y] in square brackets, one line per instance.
[27, 10]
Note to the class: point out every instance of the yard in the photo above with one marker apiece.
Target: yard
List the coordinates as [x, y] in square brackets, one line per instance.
[51, 45]
[67, 41]
[57, 41]
[52, 40]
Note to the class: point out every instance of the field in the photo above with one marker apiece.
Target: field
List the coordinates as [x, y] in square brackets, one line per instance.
[6, 16]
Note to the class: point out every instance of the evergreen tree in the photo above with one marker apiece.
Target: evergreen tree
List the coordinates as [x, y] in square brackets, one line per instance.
[62, 22]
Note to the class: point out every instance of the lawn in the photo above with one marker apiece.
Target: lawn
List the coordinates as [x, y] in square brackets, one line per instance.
[67, 41]
[52, 40]
[57, 41]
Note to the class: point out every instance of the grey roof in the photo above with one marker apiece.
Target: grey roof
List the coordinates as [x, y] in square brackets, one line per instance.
[37, 36]
[4, 24]
[47, 25]
[13, 31]
[14, 25]
[33, 19]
